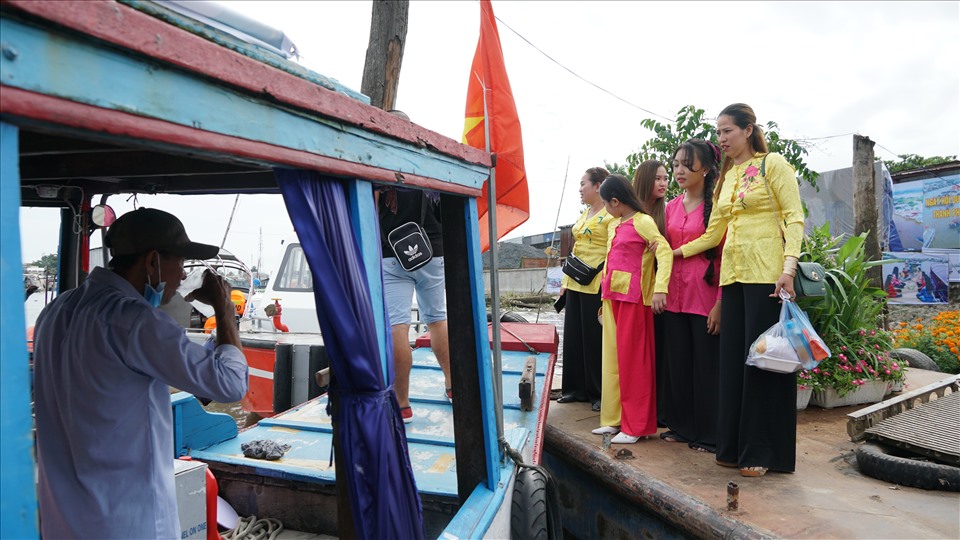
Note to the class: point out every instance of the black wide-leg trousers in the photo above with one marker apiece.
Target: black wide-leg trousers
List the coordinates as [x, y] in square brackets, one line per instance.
[582, 342]
[694, 359]
[757, 422]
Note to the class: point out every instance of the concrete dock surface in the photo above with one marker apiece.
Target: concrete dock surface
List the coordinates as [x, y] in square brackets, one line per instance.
[827, 496]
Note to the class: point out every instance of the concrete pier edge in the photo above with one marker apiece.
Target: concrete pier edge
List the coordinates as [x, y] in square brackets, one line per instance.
[686, 513]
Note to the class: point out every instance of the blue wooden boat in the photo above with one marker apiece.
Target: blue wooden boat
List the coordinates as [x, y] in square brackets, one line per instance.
[299, 488]
[103, 98]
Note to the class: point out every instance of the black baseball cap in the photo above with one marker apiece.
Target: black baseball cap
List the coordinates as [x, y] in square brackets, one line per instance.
[147, 229]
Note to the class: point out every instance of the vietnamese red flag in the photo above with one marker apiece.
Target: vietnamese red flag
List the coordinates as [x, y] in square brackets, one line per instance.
[488, 71]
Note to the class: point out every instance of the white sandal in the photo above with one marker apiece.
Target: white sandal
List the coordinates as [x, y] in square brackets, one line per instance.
[606, 429]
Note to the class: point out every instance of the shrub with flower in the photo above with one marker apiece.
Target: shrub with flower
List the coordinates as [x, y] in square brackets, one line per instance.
[848, 317]
[940, 341]
[864, 356]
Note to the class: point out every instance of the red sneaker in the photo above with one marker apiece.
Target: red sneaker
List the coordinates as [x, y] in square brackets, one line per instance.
[407, 414]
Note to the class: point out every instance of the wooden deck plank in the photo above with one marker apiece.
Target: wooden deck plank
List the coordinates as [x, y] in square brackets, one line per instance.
[308, 431]
[930, 429]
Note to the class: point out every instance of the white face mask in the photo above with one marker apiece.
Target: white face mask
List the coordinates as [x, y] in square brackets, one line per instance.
[154, 295]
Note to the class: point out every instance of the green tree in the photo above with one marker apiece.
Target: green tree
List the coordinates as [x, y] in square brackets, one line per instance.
[48, 262]
[912, 161]
[690, 124]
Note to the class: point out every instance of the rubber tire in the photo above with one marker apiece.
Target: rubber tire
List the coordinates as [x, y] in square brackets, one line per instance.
[512, 316]
[508, 316]
[528, 512]
[877, 461]
[915, 359]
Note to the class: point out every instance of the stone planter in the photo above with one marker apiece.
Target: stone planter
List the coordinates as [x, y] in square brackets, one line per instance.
[870, 392]
[893, 387]
[803, 396]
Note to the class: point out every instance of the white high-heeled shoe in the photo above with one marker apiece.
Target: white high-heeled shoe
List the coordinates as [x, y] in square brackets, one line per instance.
[606, 429]
[623, 438]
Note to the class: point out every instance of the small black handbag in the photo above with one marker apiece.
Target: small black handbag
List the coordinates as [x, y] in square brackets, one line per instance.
[580, 271]
[410, 243]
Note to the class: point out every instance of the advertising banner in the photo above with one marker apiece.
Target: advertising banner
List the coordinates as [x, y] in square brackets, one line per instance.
[916, 278]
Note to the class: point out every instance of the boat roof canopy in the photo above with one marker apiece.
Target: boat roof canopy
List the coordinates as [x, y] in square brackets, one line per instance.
[193, 110]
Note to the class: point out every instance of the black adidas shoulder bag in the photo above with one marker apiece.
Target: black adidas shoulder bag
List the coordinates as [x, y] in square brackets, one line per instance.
[410, 243]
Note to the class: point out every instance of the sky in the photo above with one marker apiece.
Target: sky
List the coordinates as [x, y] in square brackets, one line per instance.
[822, 70]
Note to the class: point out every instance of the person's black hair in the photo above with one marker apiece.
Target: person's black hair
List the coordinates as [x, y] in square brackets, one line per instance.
[644, 181]
[709, 157]
[596, 175]
[617, 187]
[122, 263]
[743, 117]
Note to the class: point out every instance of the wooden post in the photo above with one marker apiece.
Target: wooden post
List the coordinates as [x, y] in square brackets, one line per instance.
[345, 528]
[465, 372]
[381, 69]
[865, 201]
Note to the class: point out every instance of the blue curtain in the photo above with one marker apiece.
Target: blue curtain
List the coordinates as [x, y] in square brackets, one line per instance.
[383, 496]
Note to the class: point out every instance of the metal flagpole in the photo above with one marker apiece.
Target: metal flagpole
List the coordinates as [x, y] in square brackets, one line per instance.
[232, 212]
[494, 280]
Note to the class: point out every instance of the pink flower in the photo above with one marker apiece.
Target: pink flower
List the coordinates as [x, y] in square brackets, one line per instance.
[843, 358]
[816, 370]
[741, 195]
[895, 367]
[863, 332]
[751, 172]
[843, 347]
[801, 387]
[858, 369]
[887, 371]
[877, 347]
[873, 332]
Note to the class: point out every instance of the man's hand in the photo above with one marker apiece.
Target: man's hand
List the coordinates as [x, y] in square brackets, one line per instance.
[215, 291]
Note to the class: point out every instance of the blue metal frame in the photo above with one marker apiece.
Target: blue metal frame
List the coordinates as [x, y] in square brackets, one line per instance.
[360, 199]
[489, 421]
[18, 496]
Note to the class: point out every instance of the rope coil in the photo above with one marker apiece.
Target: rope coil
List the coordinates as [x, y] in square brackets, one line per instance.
[251, 528]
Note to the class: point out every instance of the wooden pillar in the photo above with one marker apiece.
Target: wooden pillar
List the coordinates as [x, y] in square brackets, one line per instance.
[865, 201]
[381, 69]
[462, 309]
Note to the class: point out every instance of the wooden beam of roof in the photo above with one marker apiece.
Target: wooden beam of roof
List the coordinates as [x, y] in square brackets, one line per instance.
[52, 167]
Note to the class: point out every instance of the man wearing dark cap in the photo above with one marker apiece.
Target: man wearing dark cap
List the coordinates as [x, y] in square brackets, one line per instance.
[105, 358]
